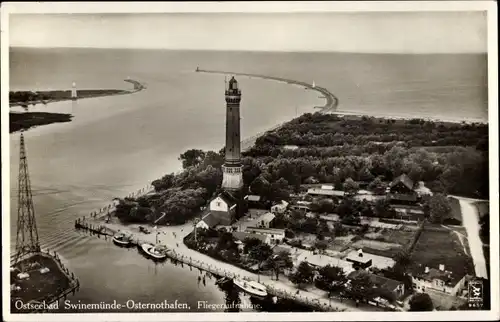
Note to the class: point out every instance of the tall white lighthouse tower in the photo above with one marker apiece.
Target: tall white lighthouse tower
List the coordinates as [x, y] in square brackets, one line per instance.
[232, 170]
[74, 93]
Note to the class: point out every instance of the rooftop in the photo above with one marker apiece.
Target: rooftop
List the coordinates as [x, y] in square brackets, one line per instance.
[404, 179]
[263, 219]
[326, 192]
[228, 198]
[377, 261]
[241, 235]
[210, 220]
[447, 277]
[379, 281]
[253, 198]
[324, 260]
[266, 230]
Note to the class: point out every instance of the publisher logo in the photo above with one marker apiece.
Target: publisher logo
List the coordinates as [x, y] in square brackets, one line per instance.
[475, 297]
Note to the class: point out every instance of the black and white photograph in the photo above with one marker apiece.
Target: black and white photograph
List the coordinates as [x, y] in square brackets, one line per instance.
[250, 161]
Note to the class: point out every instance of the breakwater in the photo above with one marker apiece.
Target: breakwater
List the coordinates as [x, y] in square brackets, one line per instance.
[331, 100]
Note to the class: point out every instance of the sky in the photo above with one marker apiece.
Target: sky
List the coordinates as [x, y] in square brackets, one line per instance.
[373, 32]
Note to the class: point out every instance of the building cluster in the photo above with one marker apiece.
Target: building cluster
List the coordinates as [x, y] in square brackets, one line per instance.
[229, 205]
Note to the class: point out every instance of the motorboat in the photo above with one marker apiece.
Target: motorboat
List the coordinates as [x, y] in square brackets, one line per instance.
[122, 239]
[252, 288]
[158, 252]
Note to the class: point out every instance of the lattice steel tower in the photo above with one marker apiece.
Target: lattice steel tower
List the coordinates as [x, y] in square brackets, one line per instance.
[27, 233]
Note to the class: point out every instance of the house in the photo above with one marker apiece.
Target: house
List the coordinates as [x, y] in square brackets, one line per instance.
[364, 260]
[358, 259]
[318, 261]
[408, 212]
[275, 235]
[264, 221]
[320, 192]
[396, 288]
[301, 205]
[256, 202]
[439, 280]
[280, 207]
[208, 221]
[242, 235]
[224, 208]
[400, 191]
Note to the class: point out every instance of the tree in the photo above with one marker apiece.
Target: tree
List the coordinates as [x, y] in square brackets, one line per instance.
[331, 278]
[250, 243]
[321, 245]
[350, 186]
[421, 302]
[260, 253]
[361, 287]
[439, 208]
[191, 158]
[403, 258]
[303, 275]
[281, 261]
[377, 185]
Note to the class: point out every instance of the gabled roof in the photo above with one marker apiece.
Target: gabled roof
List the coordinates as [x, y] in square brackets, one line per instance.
[403, 179]
[228, 198]
[377, 280]
[210, 220]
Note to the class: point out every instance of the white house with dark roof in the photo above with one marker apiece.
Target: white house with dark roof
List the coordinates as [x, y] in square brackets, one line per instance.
[223, 207]
[439, 280]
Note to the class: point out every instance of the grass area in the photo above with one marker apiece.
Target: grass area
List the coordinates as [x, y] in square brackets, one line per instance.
[442, 247]
[38, 286]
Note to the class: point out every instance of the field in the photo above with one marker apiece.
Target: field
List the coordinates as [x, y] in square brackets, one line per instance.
[442, 247]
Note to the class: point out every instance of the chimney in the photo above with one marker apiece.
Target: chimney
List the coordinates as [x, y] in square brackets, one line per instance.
[441, 267]
[426, 269]
[360, 252]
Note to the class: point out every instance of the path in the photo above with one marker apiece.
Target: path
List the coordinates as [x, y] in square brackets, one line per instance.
[172, 237]
[470, 220]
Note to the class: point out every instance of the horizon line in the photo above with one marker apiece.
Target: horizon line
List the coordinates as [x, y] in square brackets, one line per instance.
[258, 51]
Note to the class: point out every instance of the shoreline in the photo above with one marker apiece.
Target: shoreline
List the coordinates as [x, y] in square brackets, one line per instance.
[138, 86]
[23, 121]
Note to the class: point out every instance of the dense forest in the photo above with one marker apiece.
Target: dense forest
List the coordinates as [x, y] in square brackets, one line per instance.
[449, 158]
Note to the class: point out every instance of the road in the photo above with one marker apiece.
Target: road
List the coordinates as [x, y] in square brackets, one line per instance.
[470, 220]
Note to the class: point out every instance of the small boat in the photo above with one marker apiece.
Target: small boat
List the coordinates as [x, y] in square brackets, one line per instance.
[157, 252]
[121, 239]
[223, 281]
[253, 288]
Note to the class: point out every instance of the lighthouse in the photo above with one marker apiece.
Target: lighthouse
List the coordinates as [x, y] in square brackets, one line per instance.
[74, 94]
[232, 170]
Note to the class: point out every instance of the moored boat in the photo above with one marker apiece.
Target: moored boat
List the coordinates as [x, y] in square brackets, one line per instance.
[251, 287]
[158, 252]
[121, 239]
